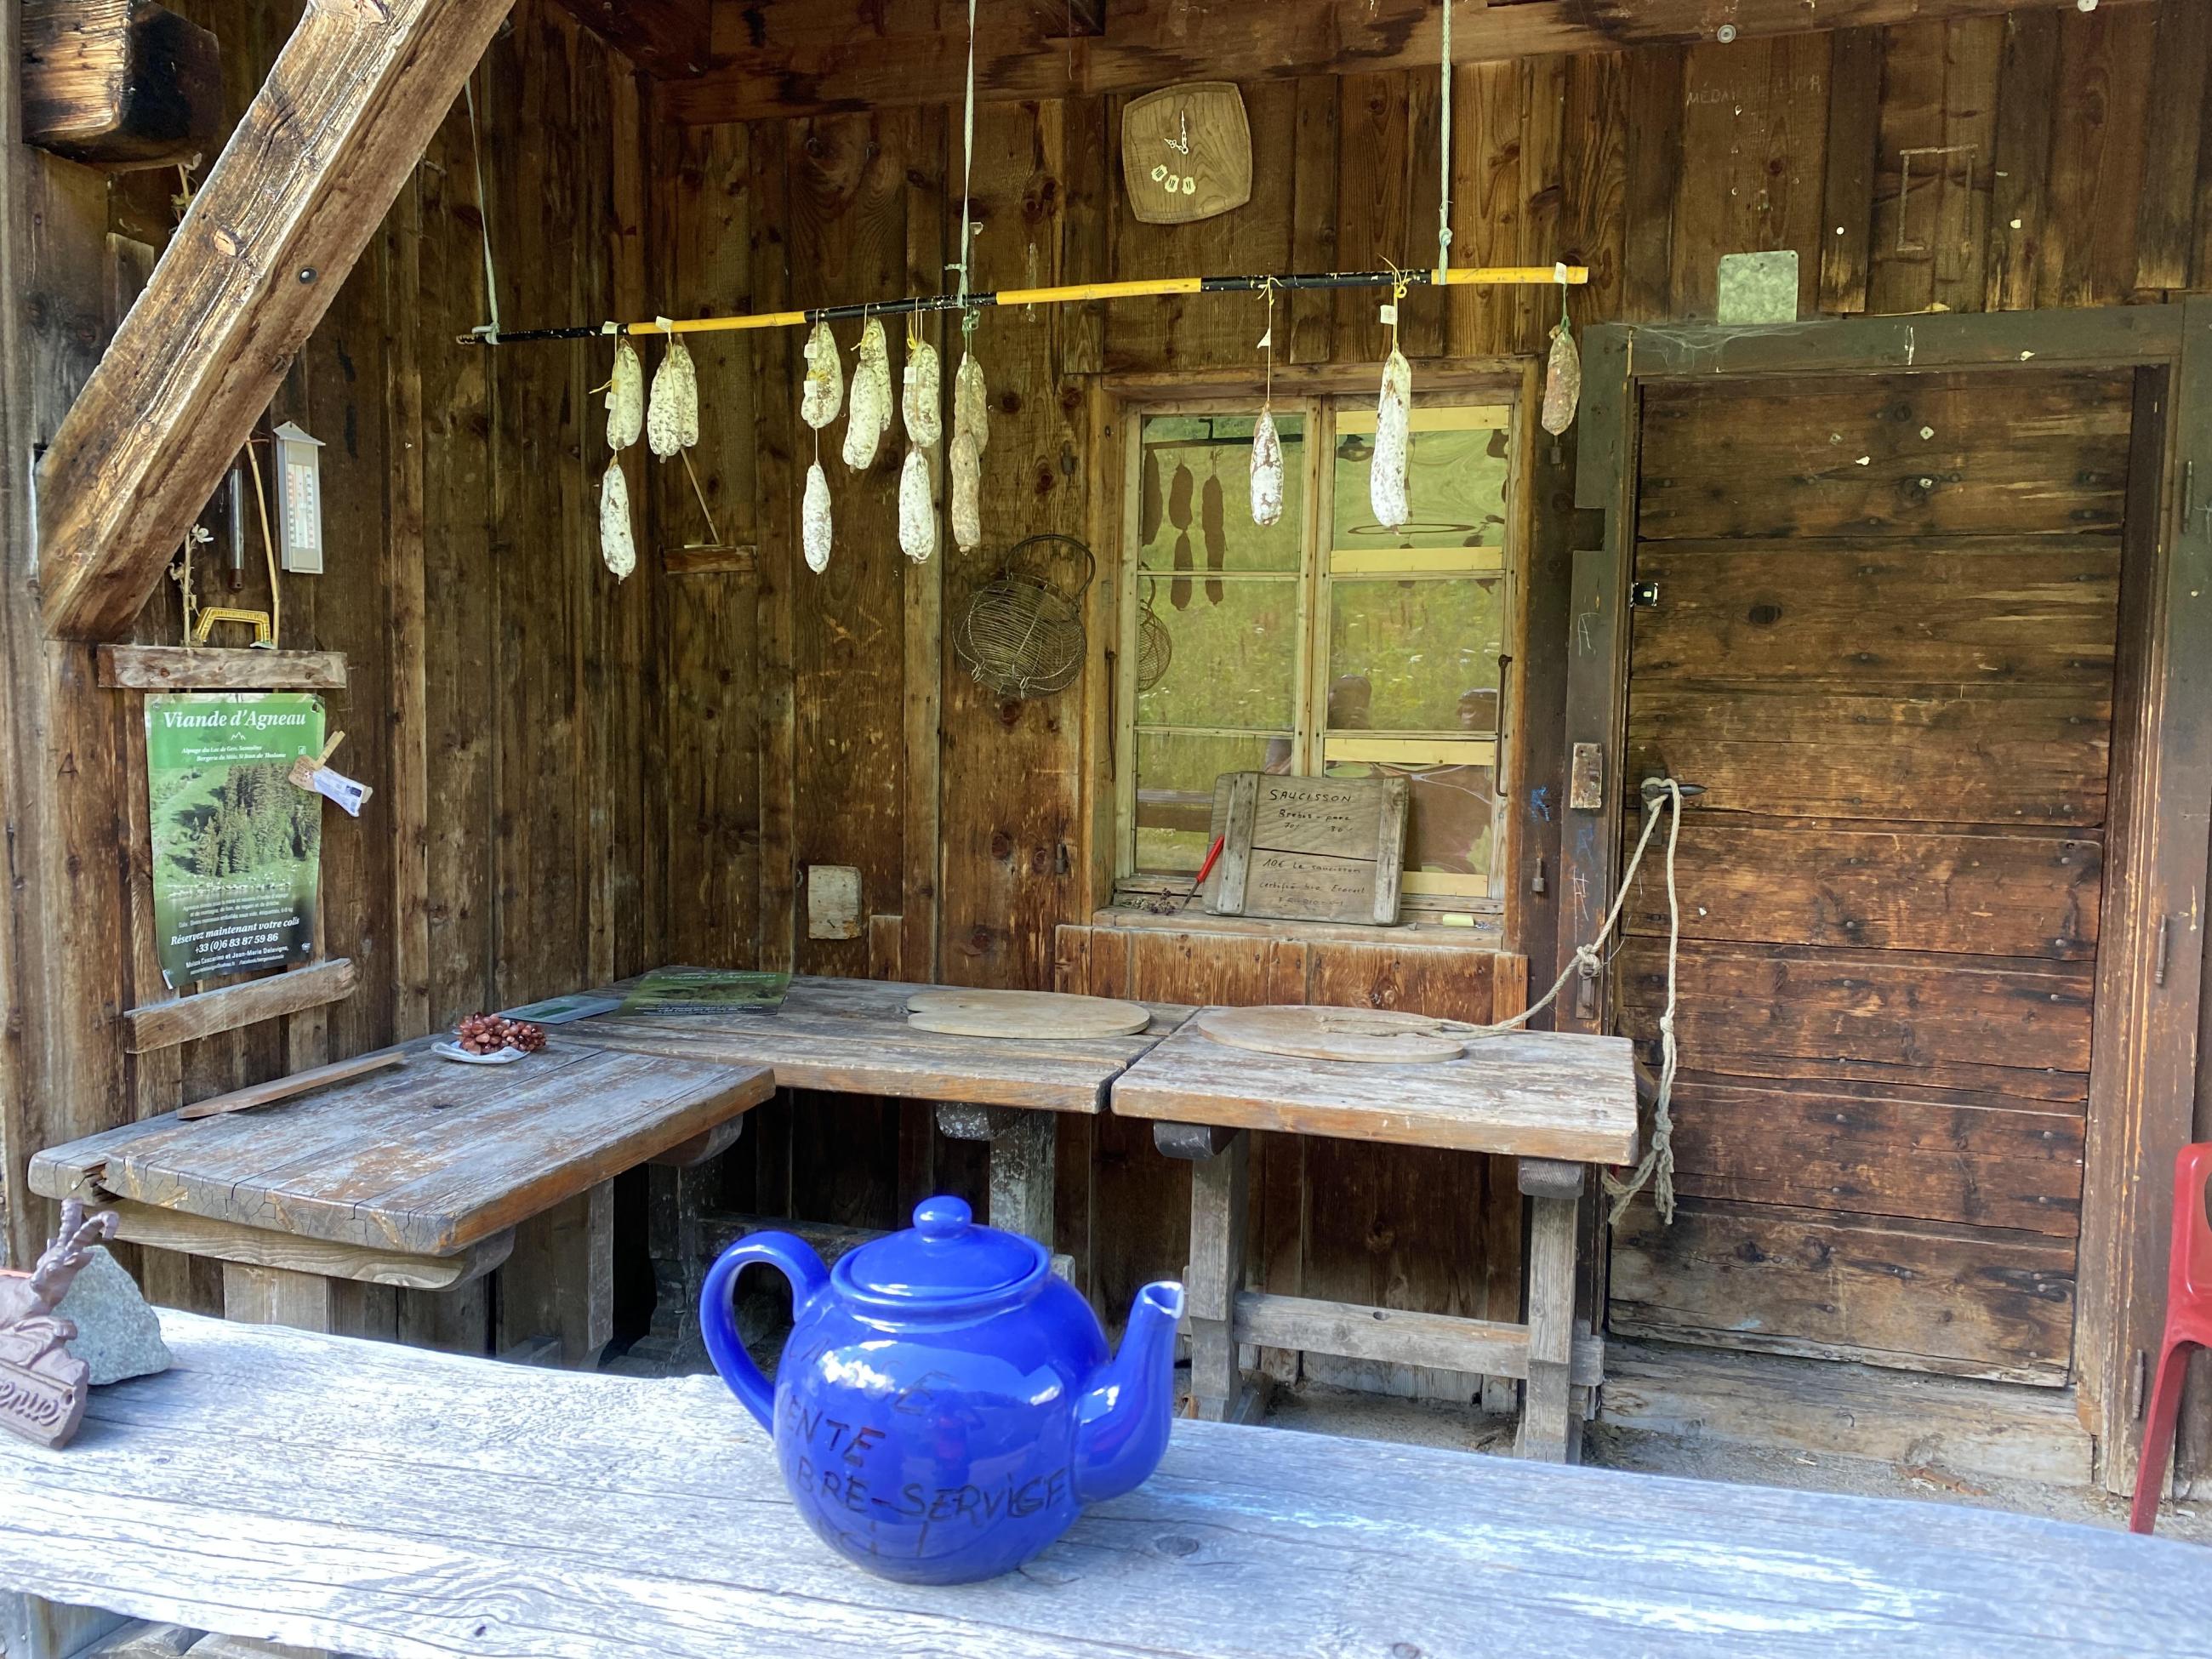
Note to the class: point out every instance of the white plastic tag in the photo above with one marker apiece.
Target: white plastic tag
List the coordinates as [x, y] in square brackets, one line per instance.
[334, 785]
[1387, 313]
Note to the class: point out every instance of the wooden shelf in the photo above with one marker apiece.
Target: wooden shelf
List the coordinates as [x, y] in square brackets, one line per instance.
[1413, 934]
[166, 1024]
[219, 668]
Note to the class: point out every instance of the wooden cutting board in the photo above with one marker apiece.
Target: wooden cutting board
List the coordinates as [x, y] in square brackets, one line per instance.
[1038, 1016]
[1348, 1034]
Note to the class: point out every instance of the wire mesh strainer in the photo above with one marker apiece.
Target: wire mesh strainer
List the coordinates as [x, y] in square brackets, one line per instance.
[1023, 634]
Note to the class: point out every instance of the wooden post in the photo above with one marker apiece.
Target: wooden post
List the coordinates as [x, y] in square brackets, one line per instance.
[560, 1281]
[1548, 1429]
[1022, 1156]
[277, 1296]
[1025, 1148]
[1219, 1187]
[676, 1197]
[38, 1629]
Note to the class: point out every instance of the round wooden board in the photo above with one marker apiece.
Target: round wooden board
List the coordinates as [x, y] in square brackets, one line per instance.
[1348, 1034]
[1037, 1016]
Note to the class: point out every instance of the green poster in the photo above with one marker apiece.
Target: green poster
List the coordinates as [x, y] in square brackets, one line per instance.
[236, 845]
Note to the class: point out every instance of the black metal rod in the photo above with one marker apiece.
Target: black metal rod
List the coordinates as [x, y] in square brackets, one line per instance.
[928, 303]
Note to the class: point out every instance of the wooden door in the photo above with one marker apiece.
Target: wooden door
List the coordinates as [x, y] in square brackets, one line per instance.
[1877, 622]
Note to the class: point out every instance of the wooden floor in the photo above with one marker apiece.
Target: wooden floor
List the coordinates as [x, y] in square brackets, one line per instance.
[2004, 1430]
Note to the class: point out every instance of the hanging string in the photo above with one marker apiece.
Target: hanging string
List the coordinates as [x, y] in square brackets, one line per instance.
[1443, 156]
[1588, 959]
[488, 333]
[268, 550]
[967, 174]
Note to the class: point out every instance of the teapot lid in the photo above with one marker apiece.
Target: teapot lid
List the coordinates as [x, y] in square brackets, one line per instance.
[944, 1257]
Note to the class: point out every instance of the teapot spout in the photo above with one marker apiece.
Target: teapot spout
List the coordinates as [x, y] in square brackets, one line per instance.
[1123, 1420]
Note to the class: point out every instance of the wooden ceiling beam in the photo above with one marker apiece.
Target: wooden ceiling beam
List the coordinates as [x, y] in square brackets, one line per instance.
[794, 58]
[1067, 17]
[353, 99]
[667, 39]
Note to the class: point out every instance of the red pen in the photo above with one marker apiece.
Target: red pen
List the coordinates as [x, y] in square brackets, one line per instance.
[1207, 868]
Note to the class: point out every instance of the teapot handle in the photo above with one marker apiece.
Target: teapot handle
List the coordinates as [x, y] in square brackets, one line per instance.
[794, 1258]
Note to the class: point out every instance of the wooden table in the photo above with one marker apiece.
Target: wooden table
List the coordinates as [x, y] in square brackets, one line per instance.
[426, 1176]
[851, 1037]
[371, 1499]
[1558, 1102]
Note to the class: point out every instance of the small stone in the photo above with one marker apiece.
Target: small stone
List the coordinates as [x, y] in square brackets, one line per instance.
[118, 1335]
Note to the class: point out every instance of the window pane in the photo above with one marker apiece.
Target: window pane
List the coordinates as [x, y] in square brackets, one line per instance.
[1414, 656]
[1450, 814]
[1194, 498]
[1454, 485]
[1233, 657]
[1175, 792]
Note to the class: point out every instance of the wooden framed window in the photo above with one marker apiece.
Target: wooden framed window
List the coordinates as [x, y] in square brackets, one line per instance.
[1322, 644]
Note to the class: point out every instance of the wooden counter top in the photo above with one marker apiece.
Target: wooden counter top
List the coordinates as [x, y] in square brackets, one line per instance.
[851, 1037]
[1528, 1094]
[426, 1160]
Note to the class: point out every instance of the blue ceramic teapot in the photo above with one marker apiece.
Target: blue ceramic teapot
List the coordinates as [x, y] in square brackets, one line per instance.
[945, 1406]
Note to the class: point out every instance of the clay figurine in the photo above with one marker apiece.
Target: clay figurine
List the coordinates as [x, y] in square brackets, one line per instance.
[43, 1387]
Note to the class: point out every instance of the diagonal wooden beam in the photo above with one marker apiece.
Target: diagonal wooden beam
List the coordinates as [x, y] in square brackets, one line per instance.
[664, 38]
[809, 56]
[352, 101]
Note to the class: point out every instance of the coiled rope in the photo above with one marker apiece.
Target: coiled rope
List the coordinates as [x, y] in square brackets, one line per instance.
[1658, 1169]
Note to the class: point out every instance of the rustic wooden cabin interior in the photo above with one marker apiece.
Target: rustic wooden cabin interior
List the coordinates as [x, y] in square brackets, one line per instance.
[1809, 486]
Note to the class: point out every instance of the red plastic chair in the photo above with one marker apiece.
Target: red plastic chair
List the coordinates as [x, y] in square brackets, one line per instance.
[2188, 1325]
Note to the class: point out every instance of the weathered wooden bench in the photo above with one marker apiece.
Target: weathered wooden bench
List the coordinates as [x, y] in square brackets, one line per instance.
[395, 1503]
[1560, 1103]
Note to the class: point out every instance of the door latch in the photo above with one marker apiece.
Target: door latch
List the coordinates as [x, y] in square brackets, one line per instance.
[1586, 779]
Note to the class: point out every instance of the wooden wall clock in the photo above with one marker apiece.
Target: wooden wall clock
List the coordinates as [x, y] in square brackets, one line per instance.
[1186, 152]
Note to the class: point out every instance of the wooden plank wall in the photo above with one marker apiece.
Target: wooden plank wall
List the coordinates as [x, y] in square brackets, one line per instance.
[689, 744]
[973, 822]
[501, 685]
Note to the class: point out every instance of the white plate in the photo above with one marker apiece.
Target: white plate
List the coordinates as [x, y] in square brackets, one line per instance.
[454, 1051]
